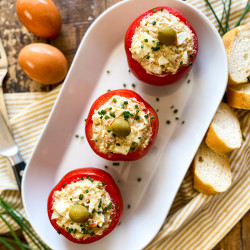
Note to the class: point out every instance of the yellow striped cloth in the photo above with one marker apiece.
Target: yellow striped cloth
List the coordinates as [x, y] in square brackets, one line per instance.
[195, 221]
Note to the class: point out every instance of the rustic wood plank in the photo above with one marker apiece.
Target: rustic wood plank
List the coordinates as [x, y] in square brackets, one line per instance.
[245, 222]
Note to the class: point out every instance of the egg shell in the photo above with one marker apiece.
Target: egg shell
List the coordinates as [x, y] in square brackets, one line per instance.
[43, 63]
[41, 17]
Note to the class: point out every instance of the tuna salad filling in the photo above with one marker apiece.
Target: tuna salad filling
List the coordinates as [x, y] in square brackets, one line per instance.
[128, 111]
[154, 56]
[92, 195]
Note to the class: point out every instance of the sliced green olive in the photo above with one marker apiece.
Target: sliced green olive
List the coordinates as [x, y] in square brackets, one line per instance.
[120, 127]
[167, 35]
[78, 213]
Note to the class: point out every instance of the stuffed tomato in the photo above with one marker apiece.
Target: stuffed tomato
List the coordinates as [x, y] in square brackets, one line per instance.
[121, 126]
[85, 205]
[161, 46]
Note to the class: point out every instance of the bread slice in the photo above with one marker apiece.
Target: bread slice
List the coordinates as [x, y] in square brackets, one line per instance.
[238, 96]
[224, 134]
[237, 44]
[211, 171]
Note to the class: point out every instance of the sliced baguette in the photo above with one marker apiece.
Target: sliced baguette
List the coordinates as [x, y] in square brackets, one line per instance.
[211, 171]
[237, 44]
[224, 134]
[238, 96]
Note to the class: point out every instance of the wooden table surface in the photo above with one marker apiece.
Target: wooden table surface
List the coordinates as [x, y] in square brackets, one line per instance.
[77, 16]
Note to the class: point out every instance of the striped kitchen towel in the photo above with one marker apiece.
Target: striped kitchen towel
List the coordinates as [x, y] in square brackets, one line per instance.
[195, 221]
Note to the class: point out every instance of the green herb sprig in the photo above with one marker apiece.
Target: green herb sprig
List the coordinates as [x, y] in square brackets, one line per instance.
[226, 14]
[24, 225]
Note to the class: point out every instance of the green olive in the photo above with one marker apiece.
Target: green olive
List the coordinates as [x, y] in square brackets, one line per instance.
[167, 35]
[120, 127]
[78, 213]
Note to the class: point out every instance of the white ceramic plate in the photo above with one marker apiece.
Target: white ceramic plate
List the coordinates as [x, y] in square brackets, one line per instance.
[196, 98]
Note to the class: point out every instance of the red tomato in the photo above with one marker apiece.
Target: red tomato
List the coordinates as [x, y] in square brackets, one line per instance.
[132, 155]
[110, 186]
[136, 67]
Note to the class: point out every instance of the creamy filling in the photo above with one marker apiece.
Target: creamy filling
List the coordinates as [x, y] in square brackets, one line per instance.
[157, 58]
[132, 111]
[94, 197]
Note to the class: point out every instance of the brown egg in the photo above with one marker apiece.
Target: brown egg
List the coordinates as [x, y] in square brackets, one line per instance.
[40, 17]
[43, 63]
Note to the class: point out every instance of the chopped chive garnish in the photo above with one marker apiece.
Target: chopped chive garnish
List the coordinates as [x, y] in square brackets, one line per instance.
[64, 184]
[114, 100]
[87, 223]
[103, 182]
[181, 62]
[110, 108]
[136, 106]
[139, 179]
[101, 117]
[156, 48]
[90, 178]
[148, 56]
[99, 212]
[168, 122]
[93, 211]
[116, 207]
[152, 117]
[70, 199]
[86, 191]
[146, 116]
[108, 71]
[175, 111]
[145, 40]
[118, 144]
[95, 140]
[139, 137]
[112, 114]
[154, 22]
[108, 130]
[116, 163]
[190, 64]
[122, 105]
[106, 117]
[74, 231]
[132, 148]
[124, 85]
[82, 178]
[108, 90]
[58, 231]
[125, 102]
[113, 134]
[103, 112]
[80, 197]
[137, 111]
[161, 9]
[133, 85]
[92, 233]
[153, 41]
[137, 118]
[243, 137]
[142, 46]
[76, 136]
[154, 10]
[191, 56]
[100, 204]
[72, 223]
[129, 70]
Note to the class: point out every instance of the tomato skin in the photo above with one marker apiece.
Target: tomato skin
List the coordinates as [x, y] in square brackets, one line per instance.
[133, 155]
[110, 187]
[136, 67]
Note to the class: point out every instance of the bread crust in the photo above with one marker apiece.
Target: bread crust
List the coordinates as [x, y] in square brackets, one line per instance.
[203, 187]
[238, 99]
[215, 143]
[228, 40]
